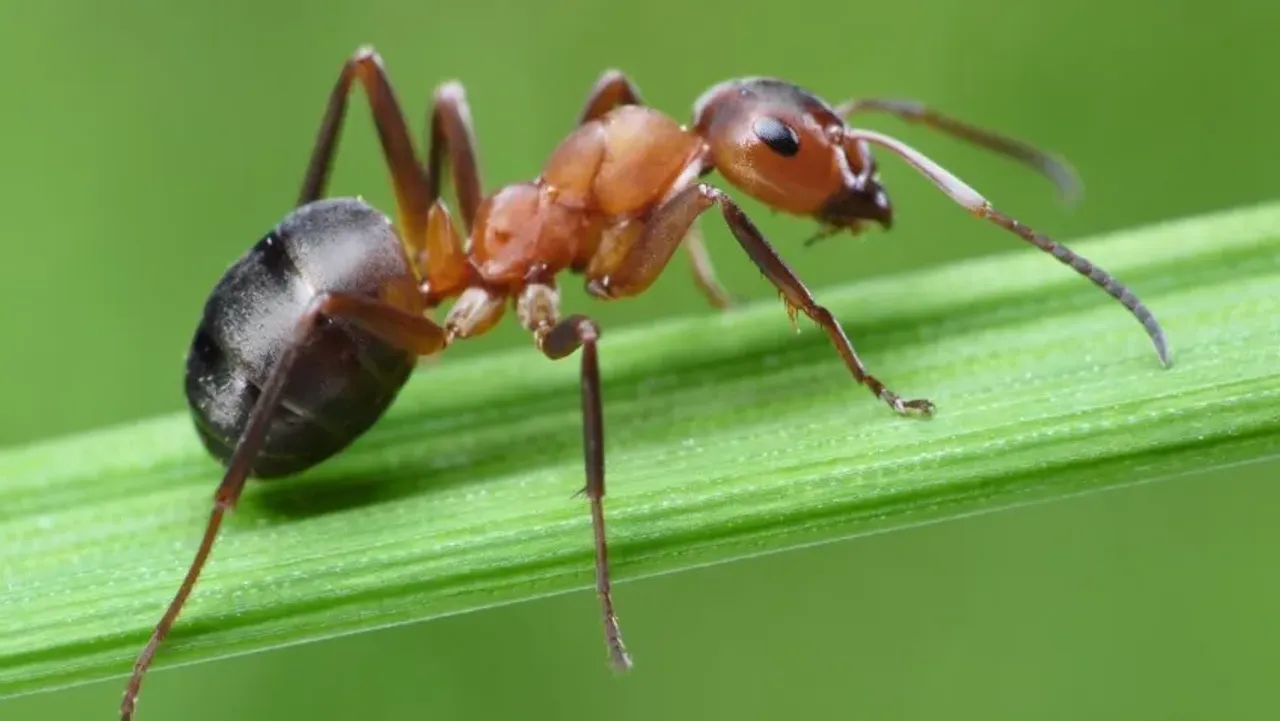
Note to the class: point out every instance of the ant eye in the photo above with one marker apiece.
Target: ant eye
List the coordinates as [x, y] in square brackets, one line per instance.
[777, 135]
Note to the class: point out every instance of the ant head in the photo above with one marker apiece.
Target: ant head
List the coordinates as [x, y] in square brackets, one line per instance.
[787, 148]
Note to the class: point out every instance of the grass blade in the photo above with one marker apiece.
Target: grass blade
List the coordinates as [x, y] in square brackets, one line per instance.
[727, 436]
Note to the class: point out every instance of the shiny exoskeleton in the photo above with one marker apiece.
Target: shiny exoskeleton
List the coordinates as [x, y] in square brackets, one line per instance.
[308, 337]
[347, 376]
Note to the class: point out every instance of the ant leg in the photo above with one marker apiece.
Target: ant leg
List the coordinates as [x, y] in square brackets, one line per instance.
[972, 201]
[410, 185]
[442, 260]
[538, 307]
[613, 89]
[704, 274]
[411, 332]
[1056, 169]
[452, 132]
[654, 245]
[476, 311]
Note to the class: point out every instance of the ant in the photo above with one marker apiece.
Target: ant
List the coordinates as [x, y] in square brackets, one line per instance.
[307, 338]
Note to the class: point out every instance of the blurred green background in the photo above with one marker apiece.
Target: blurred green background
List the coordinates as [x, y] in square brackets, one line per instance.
[145, 145]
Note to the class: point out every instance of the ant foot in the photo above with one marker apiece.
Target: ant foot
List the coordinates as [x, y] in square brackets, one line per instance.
[919, 407]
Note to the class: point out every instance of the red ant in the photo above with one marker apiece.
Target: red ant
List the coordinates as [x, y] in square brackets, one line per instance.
[308, 337]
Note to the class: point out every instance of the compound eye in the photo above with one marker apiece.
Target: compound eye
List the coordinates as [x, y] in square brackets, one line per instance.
[777, 135]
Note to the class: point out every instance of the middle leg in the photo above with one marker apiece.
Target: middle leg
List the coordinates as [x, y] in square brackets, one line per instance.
[538, 308]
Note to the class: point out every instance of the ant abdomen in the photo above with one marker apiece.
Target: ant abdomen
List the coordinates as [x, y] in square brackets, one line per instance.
[344, 377]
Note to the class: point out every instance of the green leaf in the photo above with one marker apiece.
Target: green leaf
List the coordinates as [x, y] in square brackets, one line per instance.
[727, 436]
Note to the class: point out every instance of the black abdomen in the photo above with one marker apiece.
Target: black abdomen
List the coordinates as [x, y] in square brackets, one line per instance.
[343, 379]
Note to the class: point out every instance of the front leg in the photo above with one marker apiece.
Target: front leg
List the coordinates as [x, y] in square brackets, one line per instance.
[614, 89]
[631, 269]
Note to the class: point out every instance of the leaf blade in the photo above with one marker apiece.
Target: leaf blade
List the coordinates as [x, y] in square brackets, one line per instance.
[727, 436]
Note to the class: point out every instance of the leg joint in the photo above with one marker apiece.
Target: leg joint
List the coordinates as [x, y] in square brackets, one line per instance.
[366, 54]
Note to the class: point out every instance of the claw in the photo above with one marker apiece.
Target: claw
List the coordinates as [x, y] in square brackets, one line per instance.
[919, 406]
